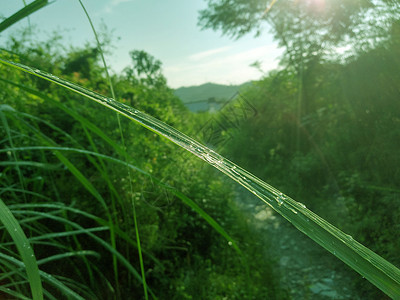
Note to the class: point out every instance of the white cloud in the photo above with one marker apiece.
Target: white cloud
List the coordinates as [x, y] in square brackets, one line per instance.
[222, 68]
[249, 56]
[114, 3]
[208, 53]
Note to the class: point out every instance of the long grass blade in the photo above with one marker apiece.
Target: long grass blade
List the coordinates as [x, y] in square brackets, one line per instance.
[126, 159]
[24, 249]
[63, 207]
[14, 155]
[22, 13]
[102, 242]
[68, 254]
[139, 247]
[12, 293]
[374, 268]
[123, 153]
[47, 277]
[174, 191]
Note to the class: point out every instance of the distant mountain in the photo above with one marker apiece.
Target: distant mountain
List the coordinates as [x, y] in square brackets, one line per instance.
[197, 98]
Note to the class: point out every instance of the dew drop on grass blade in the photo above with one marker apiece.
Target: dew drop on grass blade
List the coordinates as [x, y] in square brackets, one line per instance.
[24, 248]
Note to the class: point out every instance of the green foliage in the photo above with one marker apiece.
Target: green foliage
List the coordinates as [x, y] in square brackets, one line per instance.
[303, 28]
[72, 158]
[340, 155]
[24, 248]
[377, 270]
[145, 68]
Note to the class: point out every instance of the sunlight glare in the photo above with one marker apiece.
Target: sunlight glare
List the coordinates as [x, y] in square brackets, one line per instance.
[317, 6]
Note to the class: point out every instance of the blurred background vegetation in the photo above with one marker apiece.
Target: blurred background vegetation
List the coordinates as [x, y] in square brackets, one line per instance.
[324, 128]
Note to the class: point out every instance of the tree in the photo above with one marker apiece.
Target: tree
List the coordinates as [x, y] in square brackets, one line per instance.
[312, 26]
[82, 61]
[310, 31]
[145, 68]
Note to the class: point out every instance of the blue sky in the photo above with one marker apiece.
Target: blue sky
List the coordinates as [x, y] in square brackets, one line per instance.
[167, 29]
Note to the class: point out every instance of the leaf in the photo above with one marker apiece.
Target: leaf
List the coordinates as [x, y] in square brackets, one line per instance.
[24, 249]
[22, 13]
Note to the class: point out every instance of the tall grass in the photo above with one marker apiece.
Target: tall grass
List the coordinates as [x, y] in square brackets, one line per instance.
[28, 127]
[370, 265]
[24, 248]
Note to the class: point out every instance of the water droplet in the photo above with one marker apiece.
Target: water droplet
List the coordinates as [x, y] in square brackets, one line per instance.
[233, 169]
[230, 243]
[212, 158]
[290, 208]
[199, 150]
[280, 198]
[208, 158]
[302, 205]
[15, 229]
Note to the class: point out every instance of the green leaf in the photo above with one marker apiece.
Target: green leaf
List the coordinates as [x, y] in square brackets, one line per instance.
[24, 249]
[22, 13]
[102, 242]
[47, 277]
[174, 191]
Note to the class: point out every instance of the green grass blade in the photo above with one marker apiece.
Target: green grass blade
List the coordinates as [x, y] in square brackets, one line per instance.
[22, 13]
[12, 293]
[207, 217]
[34, 164]
[123, 143]
[10, 140]
[92, 127]
[68, 254]
[123, 153]
[99, 240]
[24, 249]
[66, 162]
[67, 233]
[47, 277]
[100, 221]
[174, 191]
[15, 190]
[139, 248]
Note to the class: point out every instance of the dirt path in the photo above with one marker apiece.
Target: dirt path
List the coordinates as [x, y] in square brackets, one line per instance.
[306, 270]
